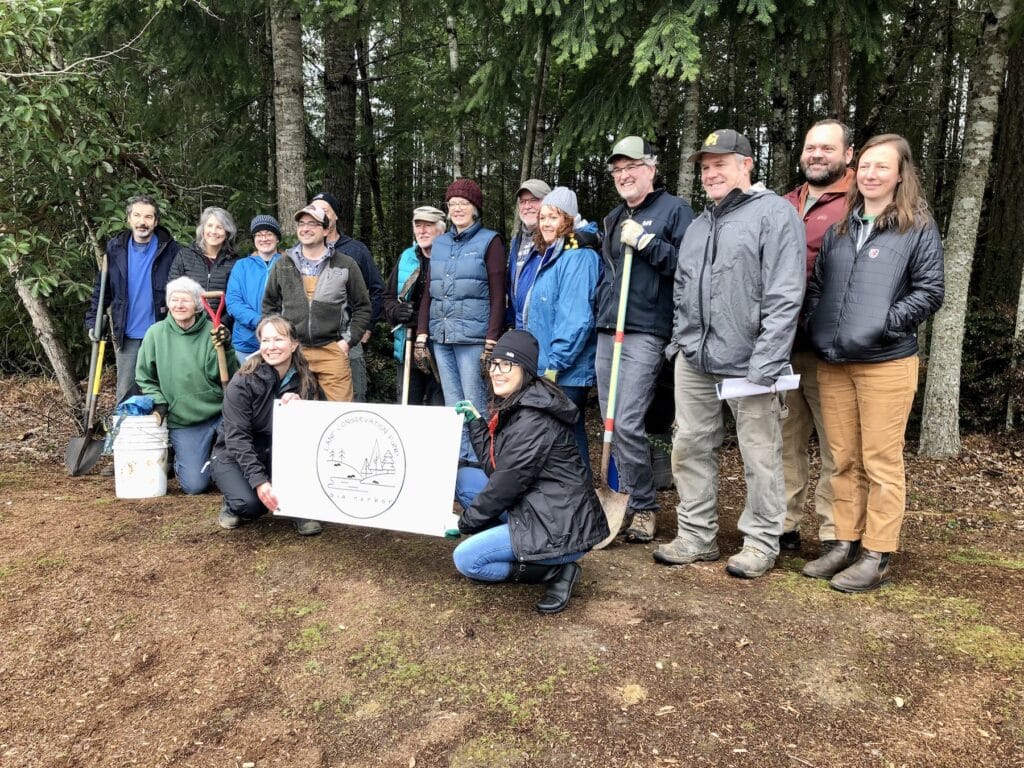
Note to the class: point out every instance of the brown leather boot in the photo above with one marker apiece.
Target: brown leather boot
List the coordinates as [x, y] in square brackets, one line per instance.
[870, 572]
[842, 555]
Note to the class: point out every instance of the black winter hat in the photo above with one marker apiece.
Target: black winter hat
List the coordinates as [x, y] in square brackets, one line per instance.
[519, 347]
[330, 199]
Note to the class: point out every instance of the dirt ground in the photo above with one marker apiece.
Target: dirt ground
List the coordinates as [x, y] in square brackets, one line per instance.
[138, 633]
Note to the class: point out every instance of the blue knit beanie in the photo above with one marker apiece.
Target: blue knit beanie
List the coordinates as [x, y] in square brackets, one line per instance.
[264, 222]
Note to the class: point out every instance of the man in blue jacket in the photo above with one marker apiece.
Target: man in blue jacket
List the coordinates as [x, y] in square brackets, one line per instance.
[138, 260]
[651, 223]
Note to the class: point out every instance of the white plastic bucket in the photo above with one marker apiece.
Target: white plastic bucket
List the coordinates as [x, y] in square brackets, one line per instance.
[140, 458]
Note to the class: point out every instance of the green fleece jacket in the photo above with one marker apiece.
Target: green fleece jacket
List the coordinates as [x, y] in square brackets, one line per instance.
[340, 308]
[179, 368]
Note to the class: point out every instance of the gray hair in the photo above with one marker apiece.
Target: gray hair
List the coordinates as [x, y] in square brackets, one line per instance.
[141, 200]
[440, 226]
[222, 216]
[186, 285]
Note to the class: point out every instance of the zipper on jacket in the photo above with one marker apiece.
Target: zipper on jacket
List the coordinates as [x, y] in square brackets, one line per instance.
[849, 281]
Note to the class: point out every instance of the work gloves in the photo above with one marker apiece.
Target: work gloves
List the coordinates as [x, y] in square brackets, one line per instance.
[421, 358]
[485, 357]
[402, 313]
[634, 235]
[93, 336]
[467, 411]
[220, 336]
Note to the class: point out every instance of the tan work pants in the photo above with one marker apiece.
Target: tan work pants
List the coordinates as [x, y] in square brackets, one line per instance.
[332, 370]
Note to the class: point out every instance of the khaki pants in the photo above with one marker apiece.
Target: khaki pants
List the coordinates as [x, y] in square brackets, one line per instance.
[866, 407]
[332, 370]
[804, 405]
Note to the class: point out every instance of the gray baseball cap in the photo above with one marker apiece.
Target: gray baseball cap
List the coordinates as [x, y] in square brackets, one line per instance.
[535, 187]
[633, 147]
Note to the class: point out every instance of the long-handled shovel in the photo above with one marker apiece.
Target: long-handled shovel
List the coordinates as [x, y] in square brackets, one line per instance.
[83, 452]
[222, 360]
[614, 503]
[406, 362]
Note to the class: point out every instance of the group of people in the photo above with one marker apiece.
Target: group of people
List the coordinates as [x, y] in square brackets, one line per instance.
[830, 282]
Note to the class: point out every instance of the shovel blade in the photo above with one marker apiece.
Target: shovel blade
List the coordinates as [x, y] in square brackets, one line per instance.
[614, 504]
[82, 454]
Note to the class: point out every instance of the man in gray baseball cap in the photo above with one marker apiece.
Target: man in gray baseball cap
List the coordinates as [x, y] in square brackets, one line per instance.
[646, 227]
[739, 284]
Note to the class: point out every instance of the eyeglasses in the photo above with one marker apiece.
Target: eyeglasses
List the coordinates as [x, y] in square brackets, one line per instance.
[630, 169]
[501, 366]
[307, 224]
[452, 205]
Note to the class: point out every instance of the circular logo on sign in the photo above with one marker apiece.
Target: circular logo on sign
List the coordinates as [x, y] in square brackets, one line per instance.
[360, 464]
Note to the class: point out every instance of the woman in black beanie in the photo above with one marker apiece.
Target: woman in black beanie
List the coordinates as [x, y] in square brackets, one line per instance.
[538, 513]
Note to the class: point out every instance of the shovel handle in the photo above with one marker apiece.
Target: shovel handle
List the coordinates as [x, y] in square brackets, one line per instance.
[222, 359]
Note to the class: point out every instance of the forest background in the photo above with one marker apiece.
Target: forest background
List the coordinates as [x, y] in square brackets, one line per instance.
[254, 106]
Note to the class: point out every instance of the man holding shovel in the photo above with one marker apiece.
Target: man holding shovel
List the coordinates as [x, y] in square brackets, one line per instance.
[138, 260]
[646, 229]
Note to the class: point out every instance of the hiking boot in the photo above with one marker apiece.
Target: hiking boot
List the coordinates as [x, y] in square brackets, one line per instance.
[559, 590]
[749, 563]
[307, 527]
[227, 519]
[641, 529]
[679, 551]
[789, 541]
[870, 572]
[841, 555]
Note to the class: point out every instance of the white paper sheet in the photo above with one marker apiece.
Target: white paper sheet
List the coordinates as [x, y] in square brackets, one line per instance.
[382, 466]
[732, 388]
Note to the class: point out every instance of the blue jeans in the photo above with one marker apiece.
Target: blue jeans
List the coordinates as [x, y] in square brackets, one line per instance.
[459, 368]
[488, 556]
[357, 363]
[468, 483]
[638, 370]
[578, 396]
[192, 446]
[126, 358]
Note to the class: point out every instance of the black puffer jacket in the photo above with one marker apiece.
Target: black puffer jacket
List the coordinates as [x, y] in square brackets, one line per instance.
[865, 305]
[649, 308]
[244, 434]
[536, 475]
[213, 276]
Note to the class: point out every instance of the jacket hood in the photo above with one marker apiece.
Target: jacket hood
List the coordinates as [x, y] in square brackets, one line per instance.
[537, 395]
[198, 326]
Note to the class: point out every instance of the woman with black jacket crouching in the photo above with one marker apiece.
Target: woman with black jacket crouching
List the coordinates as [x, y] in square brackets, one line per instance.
[241, 455]
[538, 513]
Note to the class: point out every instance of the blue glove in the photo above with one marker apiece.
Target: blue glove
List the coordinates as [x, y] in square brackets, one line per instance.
[467, 411]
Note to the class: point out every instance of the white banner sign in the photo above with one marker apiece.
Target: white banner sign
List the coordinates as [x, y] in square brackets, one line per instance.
[382, 466]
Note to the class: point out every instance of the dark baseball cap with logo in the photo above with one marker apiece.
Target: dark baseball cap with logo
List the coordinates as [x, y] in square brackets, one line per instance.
[724, 141]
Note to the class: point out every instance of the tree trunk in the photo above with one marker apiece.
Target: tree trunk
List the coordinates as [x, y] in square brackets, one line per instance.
[940, 427]
[289, 112]
[895, 73]
[458, 157]
[52, 344]
[839, 77]
[532, 153]
[688, 138]
[935, 170]
[340, 114]
[780, 126]
[1018, 341]
[372, 167]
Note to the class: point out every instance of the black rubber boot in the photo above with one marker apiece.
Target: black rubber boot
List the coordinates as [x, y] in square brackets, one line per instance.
[532, 573]
[556, 598]
[870, 572]
[841, 556]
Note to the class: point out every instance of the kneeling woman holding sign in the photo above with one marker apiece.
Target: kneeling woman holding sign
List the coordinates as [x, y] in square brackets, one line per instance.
[538, 513]
[241, 455]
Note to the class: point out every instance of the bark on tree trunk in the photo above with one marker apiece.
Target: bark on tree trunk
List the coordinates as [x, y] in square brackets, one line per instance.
[688, 139]
[289, 113]
[340, 114]
[53, 346]
[532, 153]
[839, 77]
[779, 129]
[1018, 340]
[940, 427]
[453, 63]
[372, 167]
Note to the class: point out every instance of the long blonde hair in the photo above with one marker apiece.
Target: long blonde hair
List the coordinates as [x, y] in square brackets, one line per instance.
[308, 385]
[908, 208]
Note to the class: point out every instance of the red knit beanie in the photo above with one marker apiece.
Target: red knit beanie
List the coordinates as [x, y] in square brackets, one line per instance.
[468, 190]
